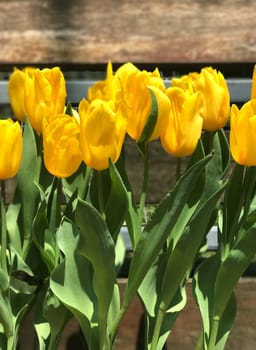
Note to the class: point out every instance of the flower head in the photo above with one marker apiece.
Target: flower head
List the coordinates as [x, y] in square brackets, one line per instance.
[45, 94]
[253, 89]
[61, 140]
[243, 133]
[216, 99]
[184, 126]
[103, 89]
[16, 85]
[135, 86]
[103, 128]
[10, 148]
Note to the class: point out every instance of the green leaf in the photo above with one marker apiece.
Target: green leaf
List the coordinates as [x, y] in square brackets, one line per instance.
[120, 252]
[203, 288]
[12, 214]
[51, 316]
[6, 316]
[169, 319]
[27, 192]
[150, 123]
[197, 155]
[68, 110]
[117, 203]
[233, 202]
[217, 167]
[71, 282]
[159, 227]
[96, 244]
[232, 269]
[214, 284]
[100, 187]
[224, 151]
[226, 322]
[77, 182]
[186, 249]
[43, 238]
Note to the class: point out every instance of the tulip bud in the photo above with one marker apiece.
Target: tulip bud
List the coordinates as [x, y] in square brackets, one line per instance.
[10, 148]
[243, 133]
[61, 141]
[183, 130]
[103, 128]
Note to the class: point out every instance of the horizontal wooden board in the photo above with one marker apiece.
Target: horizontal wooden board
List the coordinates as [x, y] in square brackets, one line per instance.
[96, 31]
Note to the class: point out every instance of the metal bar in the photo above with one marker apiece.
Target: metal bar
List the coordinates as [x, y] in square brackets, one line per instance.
[239, 88]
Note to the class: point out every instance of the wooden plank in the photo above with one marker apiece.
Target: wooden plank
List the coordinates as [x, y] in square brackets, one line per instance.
[96, 31]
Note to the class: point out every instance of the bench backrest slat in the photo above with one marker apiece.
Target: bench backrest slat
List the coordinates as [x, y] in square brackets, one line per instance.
[96, 31]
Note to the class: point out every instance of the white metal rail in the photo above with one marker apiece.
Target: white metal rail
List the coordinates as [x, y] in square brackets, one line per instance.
[240, 89]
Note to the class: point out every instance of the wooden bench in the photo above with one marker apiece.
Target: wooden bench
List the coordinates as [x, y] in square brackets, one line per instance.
[177, 36]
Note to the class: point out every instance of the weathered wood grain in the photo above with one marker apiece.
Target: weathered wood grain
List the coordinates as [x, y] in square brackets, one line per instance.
[95, 31]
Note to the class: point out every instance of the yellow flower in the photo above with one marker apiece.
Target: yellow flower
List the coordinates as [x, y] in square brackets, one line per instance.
[135, 86]
[61, 141]
[10, 148]
[103, 128]
[45, 94]
[102, 89]
[243, 133]
[214, 89]
[184, 127]
[16, 91]
[253, 89]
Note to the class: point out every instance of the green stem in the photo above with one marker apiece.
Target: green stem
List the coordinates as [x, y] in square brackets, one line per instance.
[231, 224]
[214, 332]
[100, 194]
[249, 181]
[117, 322]
[2, 185]
[143, 191]
[10, 343]
[178, 168]
[3, 229]
[208, 141]
[104, 343]
[84, 188]
[157, 328]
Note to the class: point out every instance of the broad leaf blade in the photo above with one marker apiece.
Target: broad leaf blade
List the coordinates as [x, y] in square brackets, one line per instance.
[117, 203]
[28, 173]
[71, 282]
[96, 244]
[159, 227]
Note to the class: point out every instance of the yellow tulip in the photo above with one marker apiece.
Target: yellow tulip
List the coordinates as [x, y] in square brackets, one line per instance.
[184, 126]
[135, 86]
[214, 90]
[45, 94]
[103, 129]
[102, 89]
[61, 142]
[16, 85]
[243, 133]
[10, 148]
[253, 89]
